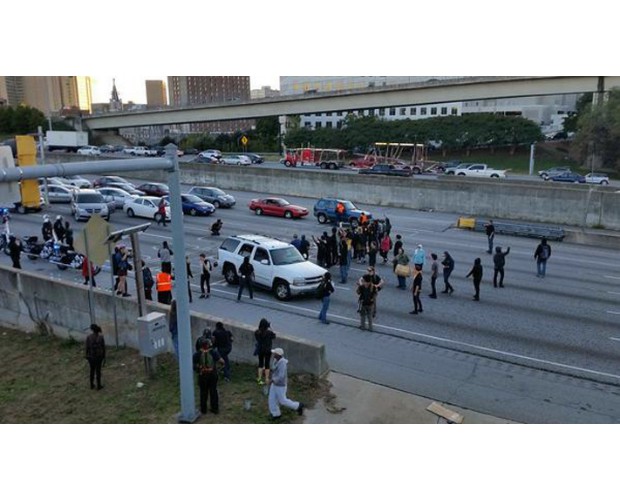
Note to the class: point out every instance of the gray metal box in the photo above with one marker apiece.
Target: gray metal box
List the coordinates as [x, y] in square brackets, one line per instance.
[152, 334]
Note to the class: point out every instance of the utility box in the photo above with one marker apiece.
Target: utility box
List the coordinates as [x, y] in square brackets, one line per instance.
[152, 334]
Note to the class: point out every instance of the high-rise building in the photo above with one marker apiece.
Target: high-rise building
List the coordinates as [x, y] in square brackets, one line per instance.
[264, 91]
[156, 94]
[195, 90]
[84, 93]
[11, 90]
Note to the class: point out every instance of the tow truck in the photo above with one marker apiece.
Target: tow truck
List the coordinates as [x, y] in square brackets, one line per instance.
[323, 158]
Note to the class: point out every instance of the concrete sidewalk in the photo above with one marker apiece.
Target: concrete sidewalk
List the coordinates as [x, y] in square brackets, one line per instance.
[359, 402]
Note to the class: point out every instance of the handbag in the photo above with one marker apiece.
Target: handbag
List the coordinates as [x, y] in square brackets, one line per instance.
[402, 270]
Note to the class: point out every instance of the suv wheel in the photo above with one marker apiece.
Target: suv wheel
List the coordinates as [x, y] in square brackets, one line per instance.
[282, 290]
[230, 274]
[322, 218]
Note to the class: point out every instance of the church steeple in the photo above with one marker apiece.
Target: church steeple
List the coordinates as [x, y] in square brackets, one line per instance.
[115, 102]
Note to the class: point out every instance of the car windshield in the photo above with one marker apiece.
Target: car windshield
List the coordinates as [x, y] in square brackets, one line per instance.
[349, 206]
[218, 192]
[281, 202]
[90, 198]
[285, 256]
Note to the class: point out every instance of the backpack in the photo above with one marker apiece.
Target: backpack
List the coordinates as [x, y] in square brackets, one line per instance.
[320, 291]
[206, 364]
[544, 252]
[148, 278]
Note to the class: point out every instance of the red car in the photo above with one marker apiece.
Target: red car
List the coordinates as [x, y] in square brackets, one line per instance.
[154, 189]
[277, 206]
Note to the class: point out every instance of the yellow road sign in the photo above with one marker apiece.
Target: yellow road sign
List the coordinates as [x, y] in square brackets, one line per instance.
[95, 233]
[244, 140]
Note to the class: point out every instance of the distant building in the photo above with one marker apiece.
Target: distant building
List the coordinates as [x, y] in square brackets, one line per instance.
[156, 95]
[116, 104]
[263, 92]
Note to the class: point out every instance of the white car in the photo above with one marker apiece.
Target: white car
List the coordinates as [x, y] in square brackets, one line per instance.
[595, 178]
[89, 151]
[77, 181]
[59, 194]
[116, 195]
[145, 206]
[236, 160]
[211, 154]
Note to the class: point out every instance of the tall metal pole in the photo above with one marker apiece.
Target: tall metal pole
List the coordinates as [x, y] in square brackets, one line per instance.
[91, 309]
[189, 412]
[532, 150]
[137, 265]
[42, 150]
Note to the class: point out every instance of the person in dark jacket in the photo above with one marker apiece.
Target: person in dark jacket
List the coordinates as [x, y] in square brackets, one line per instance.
[15, 251]
[343, 260]
[222, 341]
[205, 362]
[189, 276]
[542, 254]
[327, 289]
[68, 235]
[264, 342]
[59, 229]
[367, 294]
[499, 261]
[47, 230]
[246, 277]
[489, 229]
[148, 281]
[434, 274]
[416, 289]
[205, 276]
[448, 267]
[476, 274]
[95, 354]
[304, 247]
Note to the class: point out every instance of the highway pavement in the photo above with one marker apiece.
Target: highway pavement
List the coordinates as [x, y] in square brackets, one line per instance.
[538, 350]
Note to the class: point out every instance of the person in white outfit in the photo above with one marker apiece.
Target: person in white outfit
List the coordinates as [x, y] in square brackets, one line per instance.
[277, 387]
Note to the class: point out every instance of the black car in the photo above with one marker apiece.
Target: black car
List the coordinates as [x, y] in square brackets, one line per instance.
[385, 169]
[254, 157]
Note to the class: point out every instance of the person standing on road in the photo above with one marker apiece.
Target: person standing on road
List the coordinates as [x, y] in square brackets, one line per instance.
[95, 354]
[223, 341]
[296, 242]
[15, 251]
[189, 276]
[434, 274]
[304, 247]
[123, 267]
[264, 342]
[161, 212]
[448, 267]
[68, 235]
[367, 294]
[59, 229]
[490, 230]
[164, 287]
[85, 271]
[205, 276]
[416, 289]
[47, 230]
[165, 254]
[402, 272]
[476, 274]
[246, 277]
[326, 288]
[384, 247]
[147, 281]
[542, 254]
[499, 261]
[205, 362]
[278, 386]
[343, 260]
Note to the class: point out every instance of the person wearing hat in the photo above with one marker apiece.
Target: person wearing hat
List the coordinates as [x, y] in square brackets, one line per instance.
[47, 230]
[223, 341]
[59, 229]
[277, 388]
[205, 363]
[419, 256]
[264, 340]
[95, 354]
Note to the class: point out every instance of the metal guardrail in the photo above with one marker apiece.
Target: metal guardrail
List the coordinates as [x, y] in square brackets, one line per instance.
[527, 230]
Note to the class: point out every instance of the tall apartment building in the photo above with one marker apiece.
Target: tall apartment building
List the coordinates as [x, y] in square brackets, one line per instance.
[186, 91]
[156, 94]
[50, 94]
[543, 110]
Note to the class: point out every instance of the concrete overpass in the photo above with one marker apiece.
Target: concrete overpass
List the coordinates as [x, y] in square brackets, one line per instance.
[432, 92]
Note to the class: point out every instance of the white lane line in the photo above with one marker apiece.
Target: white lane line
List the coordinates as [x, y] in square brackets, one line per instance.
[614, 338]
[612, 277]
[614, 293]
[614, 312]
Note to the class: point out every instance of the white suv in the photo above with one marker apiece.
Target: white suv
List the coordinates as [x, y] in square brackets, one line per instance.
[278, 266]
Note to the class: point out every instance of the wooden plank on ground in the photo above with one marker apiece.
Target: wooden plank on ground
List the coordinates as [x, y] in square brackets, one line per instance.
[442, 411]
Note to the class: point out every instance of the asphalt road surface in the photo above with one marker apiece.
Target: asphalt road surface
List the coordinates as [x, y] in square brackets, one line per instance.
[538, 350]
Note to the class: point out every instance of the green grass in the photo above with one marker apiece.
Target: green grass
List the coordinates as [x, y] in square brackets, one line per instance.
[44, 379]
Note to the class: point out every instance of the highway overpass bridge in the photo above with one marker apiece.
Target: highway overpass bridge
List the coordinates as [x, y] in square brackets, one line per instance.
[431, 92]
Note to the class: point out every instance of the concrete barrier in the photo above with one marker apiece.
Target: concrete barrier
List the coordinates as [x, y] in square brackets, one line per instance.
[29, 301]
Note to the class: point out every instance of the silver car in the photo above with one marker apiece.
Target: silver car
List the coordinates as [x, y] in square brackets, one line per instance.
[88, 202]
[59, 194]
[213, 195]
[116, 195]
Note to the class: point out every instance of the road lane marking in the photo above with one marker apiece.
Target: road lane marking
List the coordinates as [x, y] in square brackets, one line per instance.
[612, 277]
[614, 293]
[614, 312]
[614, 338]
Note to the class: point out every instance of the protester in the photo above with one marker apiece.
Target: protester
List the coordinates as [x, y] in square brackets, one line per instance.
[434, 274]
[205, 363]
[416, 289]
[278, 387]
[163, 284]
[223, 341]
[542, 254]
[147, 281]
[264, 340]
[246, 278]
[499, 261]
[205, 276]
[173, 327]
[95, 354]
[324, 291]
[476, 273]
[366, 297]
[448, 267]
[490, 232]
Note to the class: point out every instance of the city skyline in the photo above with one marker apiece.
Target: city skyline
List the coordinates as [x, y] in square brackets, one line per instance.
[133, 88]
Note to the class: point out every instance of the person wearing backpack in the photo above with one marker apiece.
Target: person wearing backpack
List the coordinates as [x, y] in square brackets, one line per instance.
[205, 362]
[223, 341]
[542, 254]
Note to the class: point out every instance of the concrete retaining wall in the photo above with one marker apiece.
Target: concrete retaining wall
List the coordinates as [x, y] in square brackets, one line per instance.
[26, 299]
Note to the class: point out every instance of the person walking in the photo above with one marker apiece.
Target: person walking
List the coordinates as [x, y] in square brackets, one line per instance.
[95, 354]
[161, 212]
[205, 276]
[123, 268]
[324, 291]
[15, 251]
[246, 277]
[384, 247]
[448, 267]
[499, 261]
[205, 362]
[542, 254]
[163, 284]
[278, 387]
[165, 254]
[402, 269]
[147, 281]
[416, 289]
[343, 260]
[85, 271]
[476, 274]
[366, 293]
[490, 231]
[189, 276]
[304, 247]
[223, 341]
[263, 336]
[434, 274]
[173, 327]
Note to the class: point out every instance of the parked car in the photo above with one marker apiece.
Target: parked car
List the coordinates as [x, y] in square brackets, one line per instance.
[106, 180]
[385, 169]
[53, 181]
[595, 178]
[116, 195]
[254, 158]
[89, 151]
[107, 148]
[88, 202]
[568, 177]
[145, 206]
[191, 151]
[77, 181]
[59, 194]
[193, 205]
[154, 189]
[325, 211]
[550, 172]
[213, 195]
[278, 207]
[236, 160]
[204, 159]
[451, 170]
[210, 154]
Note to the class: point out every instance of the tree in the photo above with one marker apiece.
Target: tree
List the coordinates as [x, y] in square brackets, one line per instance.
[21, 120]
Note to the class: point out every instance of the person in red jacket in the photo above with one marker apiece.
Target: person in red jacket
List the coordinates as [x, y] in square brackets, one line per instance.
[85, 274]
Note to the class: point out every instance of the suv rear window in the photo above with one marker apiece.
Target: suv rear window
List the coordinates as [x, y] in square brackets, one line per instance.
[230, 244]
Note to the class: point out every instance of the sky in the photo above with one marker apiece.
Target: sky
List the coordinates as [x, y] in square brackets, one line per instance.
[132, 87]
